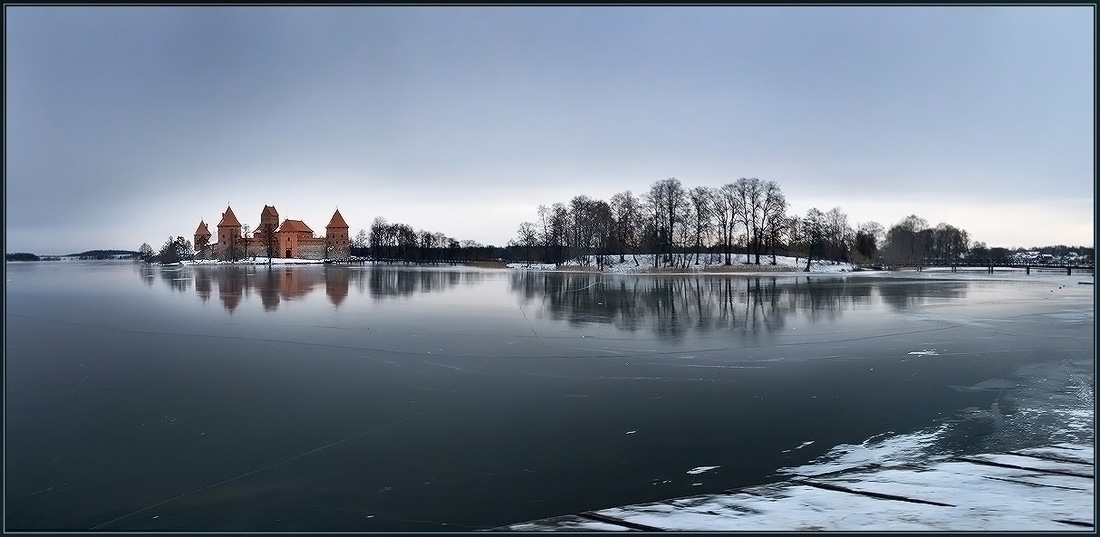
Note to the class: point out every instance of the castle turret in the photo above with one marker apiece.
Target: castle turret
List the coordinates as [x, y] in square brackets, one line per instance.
[202, 236]
[229, 231]
[265, 234]
[269, 216]
[336, 235]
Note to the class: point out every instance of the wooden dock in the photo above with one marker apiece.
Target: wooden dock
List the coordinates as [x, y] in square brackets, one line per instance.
[989, 266]
[1041, 489]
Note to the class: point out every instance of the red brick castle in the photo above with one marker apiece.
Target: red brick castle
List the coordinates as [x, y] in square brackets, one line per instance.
[292, 238]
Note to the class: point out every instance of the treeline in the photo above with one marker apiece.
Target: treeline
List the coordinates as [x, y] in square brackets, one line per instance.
[88, 255]
[747, 217]
[174, 250]
[104, 254]
[399, 242]
[1060, 250]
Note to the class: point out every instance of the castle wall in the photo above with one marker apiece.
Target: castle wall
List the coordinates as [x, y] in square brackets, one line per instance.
[311, 251]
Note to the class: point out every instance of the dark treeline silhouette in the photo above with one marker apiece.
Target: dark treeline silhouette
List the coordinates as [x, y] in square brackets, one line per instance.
[913, 242]
[21, 256]
[674, 307]
[105, 254]
[747, 217]
[743, 221]
[399, 242]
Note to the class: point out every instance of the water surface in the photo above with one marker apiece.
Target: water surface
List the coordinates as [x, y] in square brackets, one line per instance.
[335, 398]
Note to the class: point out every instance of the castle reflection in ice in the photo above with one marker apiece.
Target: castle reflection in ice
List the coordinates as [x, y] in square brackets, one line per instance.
[279, 284]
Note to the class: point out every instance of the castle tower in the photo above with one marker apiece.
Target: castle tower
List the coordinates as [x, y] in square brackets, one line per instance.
[229, 230]
[269, 216]
[265, 233]
[336, 235]
[202, 236]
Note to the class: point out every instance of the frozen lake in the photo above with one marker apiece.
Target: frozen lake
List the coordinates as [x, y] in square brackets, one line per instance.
[335, 398]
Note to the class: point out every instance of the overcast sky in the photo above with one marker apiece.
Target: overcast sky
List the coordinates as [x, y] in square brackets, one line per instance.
[128, 124]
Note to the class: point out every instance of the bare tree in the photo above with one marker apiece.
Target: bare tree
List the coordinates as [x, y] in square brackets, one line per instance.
[792, 234]
[838, 233]
[267, 240]
[773, 212]
[702, 206]
[905, 242]
[427, 244]
[733, 205]
[246, 241]
[602, 229]
[145, 253]
[379, 231]
[527, 237]
[627, 210]
[866, 242]
[559, 228]
[580, 225]
[949, 243]
[814, 233]
[749, 199]
[667, 202]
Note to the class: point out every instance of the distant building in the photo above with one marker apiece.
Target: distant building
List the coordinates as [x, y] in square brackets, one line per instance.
[291, 239]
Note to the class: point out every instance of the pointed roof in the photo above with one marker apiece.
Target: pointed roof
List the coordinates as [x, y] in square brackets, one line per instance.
[202, 230]
[229, 219]
[294, 225]
[269, 210]
[337, 220]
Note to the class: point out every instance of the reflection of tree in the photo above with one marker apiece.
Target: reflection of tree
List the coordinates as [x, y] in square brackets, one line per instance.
[905, 294]
[387, 282]
[202, 284]
[147, 273]
[673, 306]
[175, 279]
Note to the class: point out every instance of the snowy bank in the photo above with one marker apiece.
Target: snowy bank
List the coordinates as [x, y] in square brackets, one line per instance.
[1048, 488]
[707, 263]
[257, 261]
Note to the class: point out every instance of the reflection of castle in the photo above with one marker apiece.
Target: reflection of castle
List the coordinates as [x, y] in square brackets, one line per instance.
[293, 238]
[274, 285]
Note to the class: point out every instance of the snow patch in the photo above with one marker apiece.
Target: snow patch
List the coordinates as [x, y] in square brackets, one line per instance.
[643, 263]
[701, 469]
[926, 352]
[256, 261]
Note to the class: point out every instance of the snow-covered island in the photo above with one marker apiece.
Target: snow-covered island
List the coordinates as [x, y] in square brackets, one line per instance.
[706, 263]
